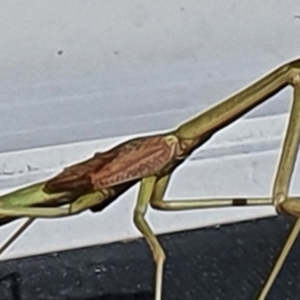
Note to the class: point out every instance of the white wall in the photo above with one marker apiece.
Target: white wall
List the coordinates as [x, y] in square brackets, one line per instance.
[126, 59]
[88, 71]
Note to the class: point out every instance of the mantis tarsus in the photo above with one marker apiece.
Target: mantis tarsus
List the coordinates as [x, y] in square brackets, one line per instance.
[152, 160]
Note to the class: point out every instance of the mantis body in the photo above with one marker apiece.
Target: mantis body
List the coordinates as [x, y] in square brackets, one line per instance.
[151, 161]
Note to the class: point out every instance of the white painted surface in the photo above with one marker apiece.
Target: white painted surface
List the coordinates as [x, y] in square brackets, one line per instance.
[130, 66]
[89, 71]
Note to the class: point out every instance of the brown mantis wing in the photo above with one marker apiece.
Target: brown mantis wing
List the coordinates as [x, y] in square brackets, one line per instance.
[126, 162]
[76, 176]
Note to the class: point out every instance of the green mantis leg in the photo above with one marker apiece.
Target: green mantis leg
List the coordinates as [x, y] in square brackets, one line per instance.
[282, 184]
[15, 234]
[36, 212]
[157, 201]
[81, 204]
[159, 256]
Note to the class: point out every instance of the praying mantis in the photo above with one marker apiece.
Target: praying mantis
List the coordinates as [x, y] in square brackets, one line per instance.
[151, 161]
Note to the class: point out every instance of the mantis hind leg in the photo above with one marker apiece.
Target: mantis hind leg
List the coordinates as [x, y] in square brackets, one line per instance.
[282, 184]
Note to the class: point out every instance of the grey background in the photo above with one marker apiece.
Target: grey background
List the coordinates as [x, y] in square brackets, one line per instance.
[79, 70]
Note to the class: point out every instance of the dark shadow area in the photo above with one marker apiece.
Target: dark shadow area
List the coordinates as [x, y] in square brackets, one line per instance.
[135, 296]
[228, 262]
[12, 283]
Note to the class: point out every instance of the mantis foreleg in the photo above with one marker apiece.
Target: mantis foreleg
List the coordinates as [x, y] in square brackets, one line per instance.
[81, 204]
